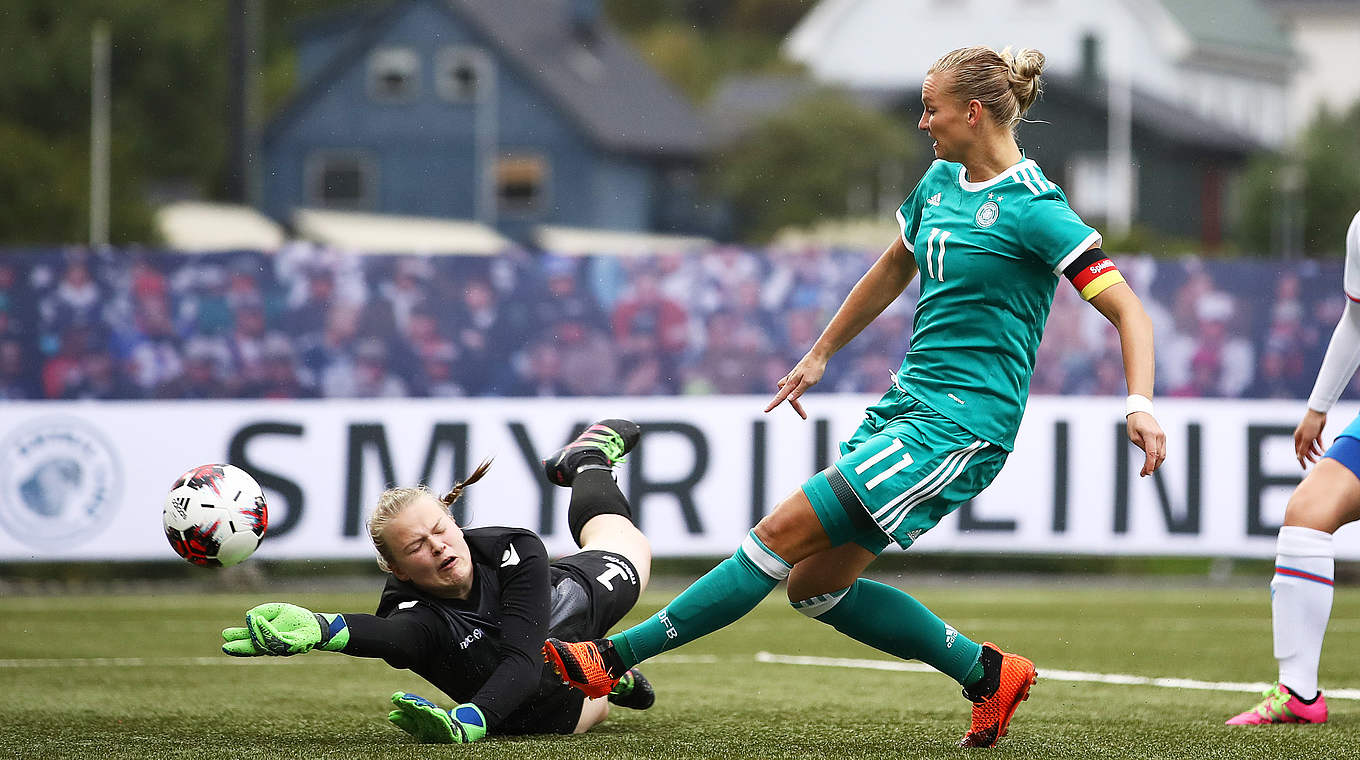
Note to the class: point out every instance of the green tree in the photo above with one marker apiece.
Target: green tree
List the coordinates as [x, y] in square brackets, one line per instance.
[1326, 170]
[802, 165]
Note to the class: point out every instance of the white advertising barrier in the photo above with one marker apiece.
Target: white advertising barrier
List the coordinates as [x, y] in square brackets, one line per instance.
[86, 481]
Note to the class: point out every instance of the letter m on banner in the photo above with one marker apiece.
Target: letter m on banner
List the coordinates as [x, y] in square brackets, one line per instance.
[373, 437]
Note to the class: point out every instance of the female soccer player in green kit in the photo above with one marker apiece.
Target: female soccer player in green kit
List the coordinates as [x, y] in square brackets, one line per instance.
[989, 235]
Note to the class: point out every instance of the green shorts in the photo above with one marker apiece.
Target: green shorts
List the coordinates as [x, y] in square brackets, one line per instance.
[904, 469]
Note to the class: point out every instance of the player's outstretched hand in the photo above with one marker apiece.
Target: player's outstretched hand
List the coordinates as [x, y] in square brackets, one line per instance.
[1147, 435]
[424, 720]
[792, 386]
[282, 629]
[1308, 437]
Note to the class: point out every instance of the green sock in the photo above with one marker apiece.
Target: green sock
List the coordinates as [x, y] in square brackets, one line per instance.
[720, 598]
[891, 621]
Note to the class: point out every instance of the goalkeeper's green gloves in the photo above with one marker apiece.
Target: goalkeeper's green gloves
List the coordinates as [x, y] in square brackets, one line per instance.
[282, 629]
[424, 720]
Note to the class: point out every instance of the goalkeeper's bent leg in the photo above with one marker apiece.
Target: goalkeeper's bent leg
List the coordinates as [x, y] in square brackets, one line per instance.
[721, 597]
[892, 621]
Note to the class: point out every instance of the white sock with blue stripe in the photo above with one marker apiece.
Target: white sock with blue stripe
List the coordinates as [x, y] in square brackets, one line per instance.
[1301, 602]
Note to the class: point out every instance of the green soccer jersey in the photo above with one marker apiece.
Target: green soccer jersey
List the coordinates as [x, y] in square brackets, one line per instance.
[990, 254]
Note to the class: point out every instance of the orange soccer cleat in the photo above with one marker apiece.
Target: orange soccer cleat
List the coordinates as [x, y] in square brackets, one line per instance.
[586, 665]
[992, 711]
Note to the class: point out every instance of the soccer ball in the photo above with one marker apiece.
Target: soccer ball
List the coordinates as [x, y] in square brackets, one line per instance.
[215, 515]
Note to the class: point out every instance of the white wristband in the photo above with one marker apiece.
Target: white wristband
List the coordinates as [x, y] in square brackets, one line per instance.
[1137, 403]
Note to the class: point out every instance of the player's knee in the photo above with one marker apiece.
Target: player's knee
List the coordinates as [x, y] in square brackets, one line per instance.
[791, 533]
[1319, 505]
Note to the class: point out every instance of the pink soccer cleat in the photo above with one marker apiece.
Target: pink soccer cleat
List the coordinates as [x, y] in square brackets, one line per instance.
[1282, 706]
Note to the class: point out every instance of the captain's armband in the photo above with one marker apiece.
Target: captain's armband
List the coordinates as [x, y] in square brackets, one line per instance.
[1092, 273]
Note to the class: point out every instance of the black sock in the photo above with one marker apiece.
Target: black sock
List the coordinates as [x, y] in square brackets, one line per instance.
[991, 676]
[594, 492]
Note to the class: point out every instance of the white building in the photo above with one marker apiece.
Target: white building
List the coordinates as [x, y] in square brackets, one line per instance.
[1326, 34]
[1227, 61]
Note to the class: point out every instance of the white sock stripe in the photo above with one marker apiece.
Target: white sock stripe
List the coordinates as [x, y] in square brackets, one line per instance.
[820, 604]
[769, 563]
[944, 483]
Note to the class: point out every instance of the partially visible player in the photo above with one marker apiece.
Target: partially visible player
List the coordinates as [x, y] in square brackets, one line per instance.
[469, 609]
[1328, 497]
[990, 237]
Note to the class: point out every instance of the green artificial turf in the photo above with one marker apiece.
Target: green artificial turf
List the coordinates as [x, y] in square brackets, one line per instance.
[140, 675]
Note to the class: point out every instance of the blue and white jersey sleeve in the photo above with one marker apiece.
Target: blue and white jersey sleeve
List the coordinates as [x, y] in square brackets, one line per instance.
[1051, 231]
[909, 213]
[1343, 352]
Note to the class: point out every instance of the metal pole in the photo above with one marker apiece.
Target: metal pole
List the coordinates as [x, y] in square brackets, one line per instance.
[100, 54]
[488, 139]
[1119, 169]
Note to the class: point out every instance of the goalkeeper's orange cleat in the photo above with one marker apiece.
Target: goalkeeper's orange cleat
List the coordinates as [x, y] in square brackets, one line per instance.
[586, 665]
[992, 713]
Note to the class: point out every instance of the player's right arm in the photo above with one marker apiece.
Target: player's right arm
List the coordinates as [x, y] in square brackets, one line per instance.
[1340, 361]
[879, 286]
[282, 629]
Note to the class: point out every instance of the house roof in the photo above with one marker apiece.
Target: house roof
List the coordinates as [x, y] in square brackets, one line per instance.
[618, 101]
[392, 233]
[1231, 24]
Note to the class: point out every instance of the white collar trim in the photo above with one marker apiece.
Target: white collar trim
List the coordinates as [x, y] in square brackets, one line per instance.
[974, 187]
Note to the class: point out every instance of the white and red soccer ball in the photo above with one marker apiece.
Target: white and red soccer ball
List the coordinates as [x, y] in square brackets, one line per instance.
[215, 515]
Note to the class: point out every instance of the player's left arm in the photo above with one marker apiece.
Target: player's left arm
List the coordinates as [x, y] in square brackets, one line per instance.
[1098, 280]
[525, 607]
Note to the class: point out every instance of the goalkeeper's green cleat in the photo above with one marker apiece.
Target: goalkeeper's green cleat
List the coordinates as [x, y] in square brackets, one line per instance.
[633, 691]
[599, 447]
[430, 724]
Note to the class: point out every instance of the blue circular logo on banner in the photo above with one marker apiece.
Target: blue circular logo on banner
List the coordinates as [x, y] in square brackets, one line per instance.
[60, 482]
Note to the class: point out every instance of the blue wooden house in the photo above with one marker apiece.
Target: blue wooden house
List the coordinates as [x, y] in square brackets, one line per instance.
[515, 113]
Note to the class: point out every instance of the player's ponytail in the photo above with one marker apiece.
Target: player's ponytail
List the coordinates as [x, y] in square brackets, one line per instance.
[394, 500]
[1025, 65]
[1005, 83]
[449, 498]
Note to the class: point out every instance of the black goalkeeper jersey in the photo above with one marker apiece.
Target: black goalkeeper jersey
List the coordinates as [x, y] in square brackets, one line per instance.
[486, 649]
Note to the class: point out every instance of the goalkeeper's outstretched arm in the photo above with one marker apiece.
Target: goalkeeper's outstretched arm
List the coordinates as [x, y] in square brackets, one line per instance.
[282, 629]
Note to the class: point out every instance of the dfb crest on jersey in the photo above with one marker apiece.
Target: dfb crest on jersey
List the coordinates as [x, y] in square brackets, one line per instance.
[987, 214]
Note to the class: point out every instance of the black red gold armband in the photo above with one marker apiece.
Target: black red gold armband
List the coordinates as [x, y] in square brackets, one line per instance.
[1092, 273]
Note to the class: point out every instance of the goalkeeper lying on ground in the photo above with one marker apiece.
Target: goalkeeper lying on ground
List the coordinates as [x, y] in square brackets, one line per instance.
[469, 609]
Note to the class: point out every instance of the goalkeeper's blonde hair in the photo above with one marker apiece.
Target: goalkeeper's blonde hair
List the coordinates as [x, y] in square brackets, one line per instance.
[394, 500]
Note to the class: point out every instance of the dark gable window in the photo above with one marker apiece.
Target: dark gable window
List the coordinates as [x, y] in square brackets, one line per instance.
[345, 181]
[462, 74]
[394, 75]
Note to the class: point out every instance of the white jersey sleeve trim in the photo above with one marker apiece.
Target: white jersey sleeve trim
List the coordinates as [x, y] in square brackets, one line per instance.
[1092, 240]
[1340, 362]
[902, 222]
[1351, 279]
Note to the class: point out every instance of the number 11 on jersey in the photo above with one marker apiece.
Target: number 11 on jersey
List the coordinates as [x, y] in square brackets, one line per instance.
[936, 270]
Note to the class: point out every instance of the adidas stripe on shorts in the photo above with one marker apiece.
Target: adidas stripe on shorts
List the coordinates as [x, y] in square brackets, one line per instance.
[903, 470]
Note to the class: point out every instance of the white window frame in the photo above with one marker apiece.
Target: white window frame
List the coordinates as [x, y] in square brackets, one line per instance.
[384, 59]
[318, 162]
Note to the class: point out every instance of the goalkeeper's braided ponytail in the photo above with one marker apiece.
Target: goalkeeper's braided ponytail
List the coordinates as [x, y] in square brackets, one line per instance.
[449, 498]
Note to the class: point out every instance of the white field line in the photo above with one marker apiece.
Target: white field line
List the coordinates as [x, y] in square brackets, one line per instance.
[1044, 674]
[141, 662]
